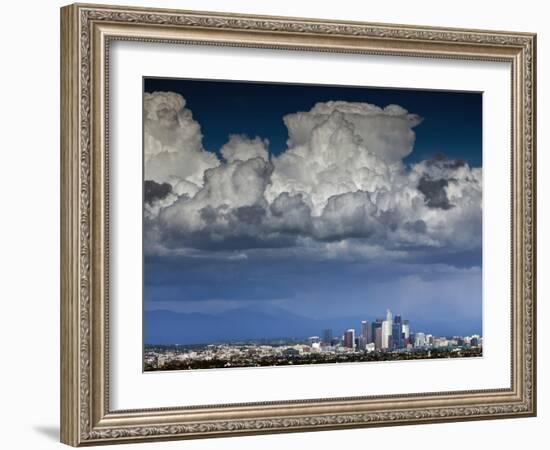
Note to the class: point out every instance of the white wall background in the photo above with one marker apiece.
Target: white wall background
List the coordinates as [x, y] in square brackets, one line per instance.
[29, 224]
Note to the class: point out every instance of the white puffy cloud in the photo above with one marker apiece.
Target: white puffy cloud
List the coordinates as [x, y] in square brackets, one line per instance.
[242, 148]
[458, 223]
[226, 206]
[386, 132]
[340, 147]
[340, 183]
[173, 141]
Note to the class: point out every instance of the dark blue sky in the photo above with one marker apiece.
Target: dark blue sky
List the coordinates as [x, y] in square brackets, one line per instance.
[452, 120]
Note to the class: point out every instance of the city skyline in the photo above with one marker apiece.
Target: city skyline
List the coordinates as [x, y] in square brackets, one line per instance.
[236, 320]
[391, 333]
[385, 339]
[366, 329]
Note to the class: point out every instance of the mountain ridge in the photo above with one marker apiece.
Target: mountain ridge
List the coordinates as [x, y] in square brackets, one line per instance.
[165, 327]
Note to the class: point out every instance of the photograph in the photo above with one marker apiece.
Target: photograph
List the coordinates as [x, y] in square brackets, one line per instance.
[293, 224]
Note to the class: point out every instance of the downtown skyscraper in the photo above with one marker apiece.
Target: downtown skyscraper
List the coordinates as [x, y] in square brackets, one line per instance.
[387, 330]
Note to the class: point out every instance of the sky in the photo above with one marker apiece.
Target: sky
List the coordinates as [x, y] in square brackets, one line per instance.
[276, 210]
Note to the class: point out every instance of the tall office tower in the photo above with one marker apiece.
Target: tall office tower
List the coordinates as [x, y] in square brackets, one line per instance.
[327, 336]
[397, 332]
[397, 339]
[406, 328]
[378, 338]
[387, 333]
[377, 325]
[376, 330]
[366, 331]
[349, 338]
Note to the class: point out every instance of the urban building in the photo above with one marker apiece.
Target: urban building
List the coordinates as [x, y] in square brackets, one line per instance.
[387, 330]
[419, 340]
[349, 338]
[366, 331]
[327, 336]
[370, 347]
[377, 333]
[406, 330]
[397, 340]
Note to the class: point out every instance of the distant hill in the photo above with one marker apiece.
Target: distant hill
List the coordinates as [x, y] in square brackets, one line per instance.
[168, 327]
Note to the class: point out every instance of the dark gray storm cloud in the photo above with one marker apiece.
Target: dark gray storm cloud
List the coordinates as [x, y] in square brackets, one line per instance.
[434, 192]
[154, 191]
[443, 160]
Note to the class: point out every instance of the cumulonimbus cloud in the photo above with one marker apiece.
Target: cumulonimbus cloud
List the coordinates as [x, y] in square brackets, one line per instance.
[173, 141]
[340, 180]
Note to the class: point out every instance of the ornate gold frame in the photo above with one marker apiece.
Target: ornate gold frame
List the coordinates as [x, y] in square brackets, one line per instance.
[86, 31]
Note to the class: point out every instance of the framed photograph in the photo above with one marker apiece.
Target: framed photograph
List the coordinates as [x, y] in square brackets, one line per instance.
[276, 225]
